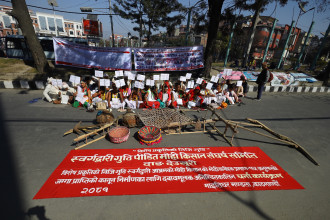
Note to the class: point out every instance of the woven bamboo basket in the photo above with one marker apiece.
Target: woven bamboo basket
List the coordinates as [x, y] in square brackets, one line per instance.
[119, 134]
[149, 134]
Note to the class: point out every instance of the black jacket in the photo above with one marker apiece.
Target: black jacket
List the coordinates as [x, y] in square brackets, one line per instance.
[263, 77]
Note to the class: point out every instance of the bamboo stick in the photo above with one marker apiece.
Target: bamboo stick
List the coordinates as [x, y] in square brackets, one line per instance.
[223, 135]
[81, 137]
[297, 146]
[192, 132]
[97, 139]
[221, 119]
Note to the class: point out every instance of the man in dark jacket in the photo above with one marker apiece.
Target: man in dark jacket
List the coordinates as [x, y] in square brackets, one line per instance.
[262, 80]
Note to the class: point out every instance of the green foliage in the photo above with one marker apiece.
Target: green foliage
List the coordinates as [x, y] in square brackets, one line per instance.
[154, 14]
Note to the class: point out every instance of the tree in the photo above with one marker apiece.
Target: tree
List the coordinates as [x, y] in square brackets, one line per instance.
[21, 14]
[257, 6]
[152, 13]
[214, 14]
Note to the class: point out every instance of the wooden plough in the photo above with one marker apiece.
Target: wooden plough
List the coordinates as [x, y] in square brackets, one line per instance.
[234, 126]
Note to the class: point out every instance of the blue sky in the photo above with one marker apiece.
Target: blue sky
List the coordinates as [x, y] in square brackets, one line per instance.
[122, 26]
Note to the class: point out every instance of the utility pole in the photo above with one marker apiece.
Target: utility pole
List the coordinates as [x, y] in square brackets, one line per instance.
[286, 44]
[304, 46]
[320, 48]
[269, 39]
[111, 23]
[229, 43]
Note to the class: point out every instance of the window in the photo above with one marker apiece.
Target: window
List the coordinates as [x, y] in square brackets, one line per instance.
[59, 25]
[65, 25]
[77, 27]
[6, 20]
[71, 32]
[51, 24]
[43, 24]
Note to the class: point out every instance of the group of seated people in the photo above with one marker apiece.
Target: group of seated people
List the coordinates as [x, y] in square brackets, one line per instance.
[89, 94]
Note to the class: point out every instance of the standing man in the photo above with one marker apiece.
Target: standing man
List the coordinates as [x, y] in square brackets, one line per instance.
[262, 80]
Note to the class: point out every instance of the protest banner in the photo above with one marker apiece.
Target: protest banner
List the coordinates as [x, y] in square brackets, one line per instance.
[83, 56]
[168, 59]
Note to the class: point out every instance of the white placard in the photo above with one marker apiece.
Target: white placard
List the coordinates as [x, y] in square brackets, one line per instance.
[72, 78]
[119, 73]
[107, 82]
[102, 82]
[126, 73]
[199, 81]
[214, 79]
[140, 77]
[179, 101]
[156, 77]
[77, 80]
[188, 76]
[139, 85]
[99, 73]
[59, 83]
[64, 99]
[164, 76]
[239, 83]
[122, 82]
[131, 76]
[209, 86]
[54, 82]
[117, 82]
[183, 78]
[151, 82]
[190, 84]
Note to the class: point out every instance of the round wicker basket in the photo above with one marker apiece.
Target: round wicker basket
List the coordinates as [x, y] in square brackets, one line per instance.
[149, 135]
[119, 134]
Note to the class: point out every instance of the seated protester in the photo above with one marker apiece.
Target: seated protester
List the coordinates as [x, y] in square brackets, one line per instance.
[225, 84]
[92, 84]
[183, 86]
[150, 98]
[83, 96]
[115, 99]
[135, 99]
[101, 96]
[242, 90]
[219, 95]
[125, 92]
[207, 94]
[51, 92]
[165, 97]
[231, 97]
[195, 99]
[178, 97]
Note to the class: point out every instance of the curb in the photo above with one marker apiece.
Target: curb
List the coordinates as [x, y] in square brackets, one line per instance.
[24, 84]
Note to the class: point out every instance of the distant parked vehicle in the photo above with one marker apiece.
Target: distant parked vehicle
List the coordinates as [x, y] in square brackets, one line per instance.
[14, 46]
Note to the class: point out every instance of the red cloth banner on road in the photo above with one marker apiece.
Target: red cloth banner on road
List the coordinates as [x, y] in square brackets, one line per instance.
[165, 170]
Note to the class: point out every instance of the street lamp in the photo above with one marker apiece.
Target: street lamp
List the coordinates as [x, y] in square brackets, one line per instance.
[53, 3]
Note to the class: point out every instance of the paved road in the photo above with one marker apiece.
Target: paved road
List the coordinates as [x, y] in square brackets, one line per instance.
[33, 145]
